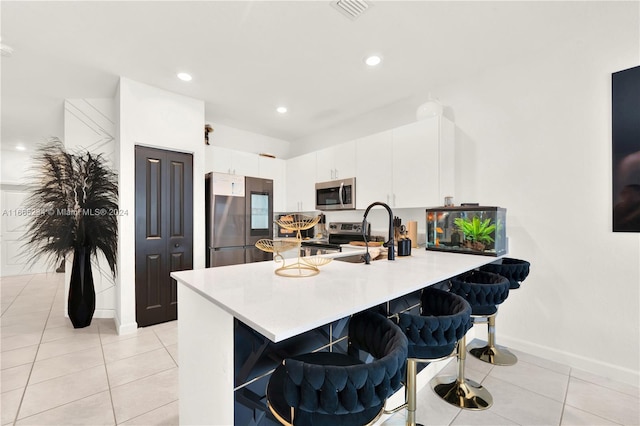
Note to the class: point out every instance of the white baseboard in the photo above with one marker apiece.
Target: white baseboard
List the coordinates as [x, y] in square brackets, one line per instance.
[573, 360]
[104, 313]
[131, 327]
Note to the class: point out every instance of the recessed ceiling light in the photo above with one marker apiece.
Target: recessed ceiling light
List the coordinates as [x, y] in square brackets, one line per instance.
[184, 76]
[373, 60]
[281, 109]
[21, 148]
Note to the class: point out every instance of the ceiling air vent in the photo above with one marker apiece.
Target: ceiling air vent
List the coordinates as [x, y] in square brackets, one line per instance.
[352, 9]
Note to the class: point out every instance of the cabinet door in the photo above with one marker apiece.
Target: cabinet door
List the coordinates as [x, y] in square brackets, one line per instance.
[336, 162]
[221, 159]
[416, 164]
[345, 160]
[325, 167]
[373, 169]
[301, 179]
[245, 163]
[225, 160]
[275, 169]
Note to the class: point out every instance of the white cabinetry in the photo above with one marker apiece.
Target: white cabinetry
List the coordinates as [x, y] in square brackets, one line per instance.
[225, 160]
[226, 184]
[301, 180]
[336, 162]
[410, 166]
[275, 169]
[373, 169]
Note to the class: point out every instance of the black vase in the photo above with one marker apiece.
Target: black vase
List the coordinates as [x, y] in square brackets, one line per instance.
[82, 295]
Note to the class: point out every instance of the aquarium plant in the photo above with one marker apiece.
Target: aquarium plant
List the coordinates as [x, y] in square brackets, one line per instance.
[477, 233]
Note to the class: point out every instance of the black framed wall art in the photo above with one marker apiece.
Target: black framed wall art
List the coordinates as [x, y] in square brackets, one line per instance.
[625, 91]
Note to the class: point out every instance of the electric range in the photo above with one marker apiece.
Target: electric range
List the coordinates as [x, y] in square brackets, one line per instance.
[339, 233]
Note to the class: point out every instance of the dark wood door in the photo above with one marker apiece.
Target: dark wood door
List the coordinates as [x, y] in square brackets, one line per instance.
[164, 230]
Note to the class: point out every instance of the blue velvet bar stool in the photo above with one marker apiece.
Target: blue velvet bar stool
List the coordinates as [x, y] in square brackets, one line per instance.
[334, 389]
[485, 291]
[433, 335]
[478, 289]
[516, 271]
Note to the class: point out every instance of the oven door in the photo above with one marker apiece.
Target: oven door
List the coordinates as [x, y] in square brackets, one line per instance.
[336, 195]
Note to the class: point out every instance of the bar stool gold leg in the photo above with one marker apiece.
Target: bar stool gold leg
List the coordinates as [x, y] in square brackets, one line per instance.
[491, 353]
[461, 392]
[412, 404]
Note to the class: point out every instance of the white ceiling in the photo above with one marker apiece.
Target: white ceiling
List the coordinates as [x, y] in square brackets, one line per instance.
[246, 58]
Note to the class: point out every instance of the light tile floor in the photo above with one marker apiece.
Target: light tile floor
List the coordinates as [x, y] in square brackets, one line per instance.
[53, 374]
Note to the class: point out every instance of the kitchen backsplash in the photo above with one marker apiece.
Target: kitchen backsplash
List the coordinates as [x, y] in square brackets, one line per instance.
[379, 219]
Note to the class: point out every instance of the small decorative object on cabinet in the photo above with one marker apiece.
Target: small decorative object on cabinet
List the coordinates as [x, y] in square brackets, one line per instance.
[303, 266]
[467, 229]
[76, 198]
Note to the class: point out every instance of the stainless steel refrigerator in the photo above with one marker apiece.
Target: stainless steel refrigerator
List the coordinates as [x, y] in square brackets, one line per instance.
[239, 212]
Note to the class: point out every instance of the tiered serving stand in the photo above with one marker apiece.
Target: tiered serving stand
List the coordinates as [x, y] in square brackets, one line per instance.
[303, 266]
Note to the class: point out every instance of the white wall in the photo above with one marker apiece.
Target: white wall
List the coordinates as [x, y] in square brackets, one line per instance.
[242, 140]
[16, 169]
[90, 125]
[535, 137]
[152, 117]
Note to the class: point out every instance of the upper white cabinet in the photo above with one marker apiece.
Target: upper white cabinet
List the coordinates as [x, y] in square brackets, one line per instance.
[275, 169]
[409, 166]
[225, 160]
[336, 162]
[301, 183]
[373, 169]
[226, 184]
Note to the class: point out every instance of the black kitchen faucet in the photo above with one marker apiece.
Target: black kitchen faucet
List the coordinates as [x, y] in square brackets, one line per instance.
[391, 255]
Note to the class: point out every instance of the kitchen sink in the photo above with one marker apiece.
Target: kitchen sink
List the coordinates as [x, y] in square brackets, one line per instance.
[355, 258]
[358, 258]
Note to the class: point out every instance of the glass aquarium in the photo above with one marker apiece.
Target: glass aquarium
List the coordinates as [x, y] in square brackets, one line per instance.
[467, 229]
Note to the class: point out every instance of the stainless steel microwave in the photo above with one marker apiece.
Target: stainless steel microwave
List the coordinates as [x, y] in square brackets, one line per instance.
[336, 195]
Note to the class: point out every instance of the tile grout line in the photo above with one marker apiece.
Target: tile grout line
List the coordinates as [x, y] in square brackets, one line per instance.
[583, 410]
[564, 400]
[16, 296]
[166, 348]
[33, 363]
[106, 372]
[147, 412]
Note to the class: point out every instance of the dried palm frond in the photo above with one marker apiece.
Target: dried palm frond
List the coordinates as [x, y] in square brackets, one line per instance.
[73, 203]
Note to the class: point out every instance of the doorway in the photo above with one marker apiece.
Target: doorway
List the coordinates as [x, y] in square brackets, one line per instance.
[164, 230]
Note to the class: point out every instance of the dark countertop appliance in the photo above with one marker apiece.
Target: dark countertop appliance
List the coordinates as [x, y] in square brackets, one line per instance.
[239, 212]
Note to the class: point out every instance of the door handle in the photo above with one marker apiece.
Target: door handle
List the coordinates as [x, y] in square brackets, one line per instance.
[177, 245]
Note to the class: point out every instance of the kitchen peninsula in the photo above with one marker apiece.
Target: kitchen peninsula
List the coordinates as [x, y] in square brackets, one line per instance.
[280, 308]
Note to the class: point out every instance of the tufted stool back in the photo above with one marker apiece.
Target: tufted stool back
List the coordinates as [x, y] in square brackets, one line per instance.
[515, 270]
[328, 388]
[483, 290]
[445, 317]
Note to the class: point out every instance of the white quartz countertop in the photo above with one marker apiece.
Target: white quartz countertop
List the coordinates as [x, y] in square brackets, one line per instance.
[282, 307]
